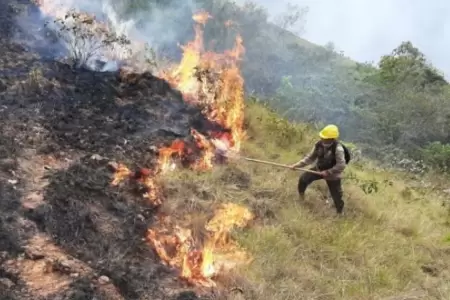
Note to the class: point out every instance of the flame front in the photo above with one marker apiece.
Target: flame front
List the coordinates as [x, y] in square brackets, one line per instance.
[198, 262]
[213, 82]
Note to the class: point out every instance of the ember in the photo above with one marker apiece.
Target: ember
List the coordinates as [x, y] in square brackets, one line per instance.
[143, 176]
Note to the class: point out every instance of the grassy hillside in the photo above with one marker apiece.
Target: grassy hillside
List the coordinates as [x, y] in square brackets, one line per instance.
[400, 103]
[68, 232]
[394, 242]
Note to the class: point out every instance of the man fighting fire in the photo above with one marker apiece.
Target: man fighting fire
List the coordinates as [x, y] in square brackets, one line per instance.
[331, 158]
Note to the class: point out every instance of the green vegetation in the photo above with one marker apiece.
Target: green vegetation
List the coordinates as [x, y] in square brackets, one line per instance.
[393, 241]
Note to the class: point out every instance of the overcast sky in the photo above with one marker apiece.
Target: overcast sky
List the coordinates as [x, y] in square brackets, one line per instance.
[367, 29]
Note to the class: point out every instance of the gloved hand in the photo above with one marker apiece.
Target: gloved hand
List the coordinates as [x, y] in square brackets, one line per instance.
[324, 174]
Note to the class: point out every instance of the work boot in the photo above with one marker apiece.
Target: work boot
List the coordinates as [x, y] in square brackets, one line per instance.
[340, 215]
[340, 209]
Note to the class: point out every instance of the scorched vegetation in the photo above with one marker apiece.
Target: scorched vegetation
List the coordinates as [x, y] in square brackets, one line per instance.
[130, 184]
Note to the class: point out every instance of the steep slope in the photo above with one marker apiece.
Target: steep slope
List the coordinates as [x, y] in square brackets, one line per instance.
[56, 196]
[393, 242]
[62, 224]
[68, 232]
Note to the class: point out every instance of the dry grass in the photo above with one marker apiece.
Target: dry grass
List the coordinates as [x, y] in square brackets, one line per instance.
[393, 243]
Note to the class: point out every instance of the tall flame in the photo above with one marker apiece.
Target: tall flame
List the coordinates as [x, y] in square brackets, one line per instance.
[213, 80]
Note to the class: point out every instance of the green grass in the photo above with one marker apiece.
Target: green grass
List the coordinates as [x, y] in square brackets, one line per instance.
[393, 242]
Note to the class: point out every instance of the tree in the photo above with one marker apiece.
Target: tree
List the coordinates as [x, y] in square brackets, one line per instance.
[86, 39]
[293, 18]
[408, 96]
[406, 64]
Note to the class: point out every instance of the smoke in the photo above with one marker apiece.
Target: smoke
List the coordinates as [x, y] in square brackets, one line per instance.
[365, 30]
[159, 26]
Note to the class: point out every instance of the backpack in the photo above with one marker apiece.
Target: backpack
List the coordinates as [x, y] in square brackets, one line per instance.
[346, 152]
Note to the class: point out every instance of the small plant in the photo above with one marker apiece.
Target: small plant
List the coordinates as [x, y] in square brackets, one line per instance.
[285, 132]
[437, 155]
[35, 79]
[447, 239]
[370, 187]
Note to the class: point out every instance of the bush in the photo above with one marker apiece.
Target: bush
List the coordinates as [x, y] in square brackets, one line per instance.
[85, 38]
[284, 132]
[437, 155]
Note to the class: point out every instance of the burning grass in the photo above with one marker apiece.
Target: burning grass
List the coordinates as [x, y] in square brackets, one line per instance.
[200, 261]
[220, 94]
[172, 212]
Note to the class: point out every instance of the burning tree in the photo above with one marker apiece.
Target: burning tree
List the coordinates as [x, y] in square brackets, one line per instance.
[89, 41]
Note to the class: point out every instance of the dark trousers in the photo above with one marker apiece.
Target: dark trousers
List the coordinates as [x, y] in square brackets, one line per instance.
[334, 186]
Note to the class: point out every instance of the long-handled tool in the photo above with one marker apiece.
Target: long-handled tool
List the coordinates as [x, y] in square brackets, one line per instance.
[278, 165]
[222, 150]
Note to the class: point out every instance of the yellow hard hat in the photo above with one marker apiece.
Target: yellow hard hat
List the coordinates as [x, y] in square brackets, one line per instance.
[329, 132]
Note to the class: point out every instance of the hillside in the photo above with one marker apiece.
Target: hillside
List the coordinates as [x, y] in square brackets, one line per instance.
[397, 104]
[62, 223]
[114, 185]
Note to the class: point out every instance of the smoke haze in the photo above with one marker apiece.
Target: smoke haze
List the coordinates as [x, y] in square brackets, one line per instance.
[160, 26]
[367, 29]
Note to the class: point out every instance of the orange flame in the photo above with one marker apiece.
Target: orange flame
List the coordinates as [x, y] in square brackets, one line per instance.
[145, 177]
[199, 266]
[210, 79]
[213, 80]
[205, 162]
[121, 173]
[166, 154]
[201, 17]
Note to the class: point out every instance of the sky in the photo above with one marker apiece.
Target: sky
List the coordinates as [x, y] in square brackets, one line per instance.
[367, 29]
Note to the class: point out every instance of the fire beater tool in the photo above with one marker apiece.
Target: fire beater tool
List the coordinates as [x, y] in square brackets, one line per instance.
[223, 150]
[278, 165]
[237, 156]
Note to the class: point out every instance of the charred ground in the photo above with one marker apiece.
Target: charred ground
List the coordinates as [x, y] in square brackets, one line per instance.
[62, 225]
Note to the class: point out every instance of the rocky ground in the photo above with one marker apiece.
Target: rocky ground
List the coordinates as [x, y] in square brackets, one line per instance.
[65, 232]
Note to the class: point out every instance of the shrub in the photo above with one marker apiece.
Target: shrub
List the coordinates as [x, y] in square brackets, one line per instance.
[437, 155]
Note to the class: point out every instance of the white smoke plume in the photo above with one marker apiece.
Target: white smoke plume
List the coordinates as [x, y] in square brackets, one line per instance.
[152, 28]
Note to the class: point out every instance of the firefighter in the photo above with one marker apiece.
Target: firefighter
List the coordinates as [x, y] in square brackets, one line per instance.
[331, 158]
